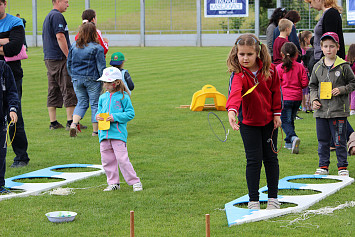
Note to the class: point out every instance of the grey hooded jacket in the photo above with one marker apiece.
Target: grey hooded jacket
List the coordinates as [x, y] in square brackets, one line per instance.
[341, 76]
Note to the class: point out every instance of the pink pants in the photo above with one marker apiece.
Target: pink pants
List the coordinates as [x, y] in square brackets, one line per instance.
[352, 100]
[113, 154]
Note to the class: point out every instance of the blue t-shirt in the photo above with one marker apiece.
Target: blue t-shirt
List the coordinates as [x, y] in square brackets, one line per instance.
[54, 23]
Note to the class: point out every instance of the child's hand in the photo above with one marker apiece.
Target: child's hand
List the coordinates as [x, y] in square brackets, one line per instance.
[352, 151]
[316, 104]
[110, 118]
[336, 91]
[277, 122]
[233, 121]
[98, 117]
[13, 117]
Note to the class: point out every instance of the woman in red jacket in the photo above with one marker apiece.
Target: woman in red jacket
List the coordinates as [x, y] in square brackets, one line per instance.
[255, 97]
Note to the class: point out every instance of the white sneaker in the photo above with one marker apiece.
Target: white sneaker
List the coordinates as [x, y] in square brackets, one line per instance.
[112, 187]
[343, 172]
[352, 112]
[253, 205]
[137, 187]
[321, 171]
[295, 145]
[273, 203]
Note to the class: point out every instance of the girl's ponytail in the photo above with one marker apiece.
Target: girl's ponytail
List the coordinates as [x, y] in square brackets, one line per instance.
[302, 37]
[266, 59]
[290, 52]
[232, 60]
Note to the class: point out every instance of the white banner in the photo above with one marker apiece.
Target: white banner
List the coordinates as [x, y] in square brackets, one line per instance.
[226, 8]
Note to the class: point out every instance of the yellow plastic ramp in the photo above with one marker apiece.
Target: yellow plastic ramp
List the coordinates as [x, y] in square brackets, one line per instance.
[208, 91]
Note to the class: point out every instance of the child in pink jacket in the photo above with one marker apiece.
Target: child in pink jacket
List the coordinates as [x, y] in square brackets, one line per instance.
[293, 78]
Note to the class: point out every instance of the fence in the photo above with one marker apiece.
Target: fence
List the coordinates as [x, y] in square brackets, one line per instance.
[161, 22]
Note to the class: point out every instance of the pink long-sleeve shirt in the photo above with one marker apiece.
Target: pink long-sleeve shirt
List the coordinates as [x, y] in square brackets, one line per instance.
[293, 81]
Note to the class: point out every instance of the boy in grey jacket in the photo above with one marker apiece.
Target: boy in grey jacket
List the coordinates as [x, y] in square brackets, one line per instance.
[331, 81]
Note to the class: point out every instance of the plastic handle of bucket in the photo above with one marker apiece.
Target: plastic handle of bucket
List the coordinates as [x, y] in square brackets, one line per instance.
[208, 88]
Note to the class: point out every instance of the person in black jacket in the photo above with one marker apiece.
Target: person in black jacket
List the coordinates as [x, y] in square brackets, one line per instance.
[8, 107]
[330, 21]
[24, 26]
[12, 37]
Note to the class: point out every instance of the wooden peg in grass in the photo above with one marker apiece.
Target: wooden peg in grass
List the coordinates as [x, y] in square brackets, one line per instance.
[132, 224]
[208, 233]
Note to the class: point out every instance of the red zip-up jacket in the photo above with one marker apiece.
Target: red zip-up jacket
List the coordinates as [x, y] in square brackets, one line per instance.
[259, 107]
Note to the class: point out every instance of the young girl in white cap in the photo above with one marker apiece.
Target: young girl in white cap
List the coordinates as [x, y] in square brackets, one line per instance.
[117, 103]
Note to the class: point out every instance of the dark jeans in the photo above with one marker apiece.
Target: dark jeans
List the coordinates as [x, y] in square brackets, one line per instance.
[332, 128]
[349, 131]
[2, 154]
[258, 150]
[19, 144]
[288, 116]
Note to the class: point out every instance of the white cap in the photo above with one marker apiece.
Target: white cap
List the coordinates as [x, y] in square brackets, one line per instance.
[110, 74]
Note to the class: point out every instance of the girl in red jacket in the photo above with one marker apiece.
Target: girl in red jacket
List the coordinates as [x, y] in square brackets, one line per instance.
[293, 78]
[255, 97]
[89, 15]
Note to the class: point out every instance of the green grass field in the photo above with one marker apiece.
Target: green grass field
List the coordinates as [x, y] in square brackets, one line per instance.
[186, 172]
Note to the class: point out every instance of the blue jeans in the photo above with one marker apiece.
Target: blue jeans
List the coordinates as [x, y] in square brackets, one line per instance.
[288, 116]
[87, 91]
[349, 131]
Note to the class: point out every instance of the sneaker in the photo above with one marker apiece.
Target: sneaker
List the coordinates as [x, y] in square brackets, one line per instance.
[254, 205]
[273, 203]
[73, 131]
[112, 187]
[4, 190]
[298, 117]
[288, 145]
[352, 112]
[80, 126]
[94, 134]
[321, 171]
[19, 164]
[343, 172]
[57, 126]
[137, 187]
[295, 145]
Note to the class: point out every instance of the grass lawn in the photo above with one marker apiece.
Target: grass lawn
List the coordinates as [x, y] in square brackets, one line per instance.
[186, 172]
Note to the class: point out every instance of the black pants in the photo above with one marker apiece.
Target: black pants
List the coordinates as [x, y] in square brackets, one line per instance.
[2, 153]
[258, 150]
[335, 128]
[19, 144]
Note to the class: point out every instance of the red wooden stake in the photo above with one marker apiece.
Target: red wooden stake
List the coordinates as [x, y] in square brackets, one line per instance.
[132, 224]
[208, 234]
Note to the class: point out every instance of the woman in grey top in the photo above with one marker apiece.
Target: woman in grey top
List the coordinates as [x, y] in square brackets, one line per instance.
[278, 14]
